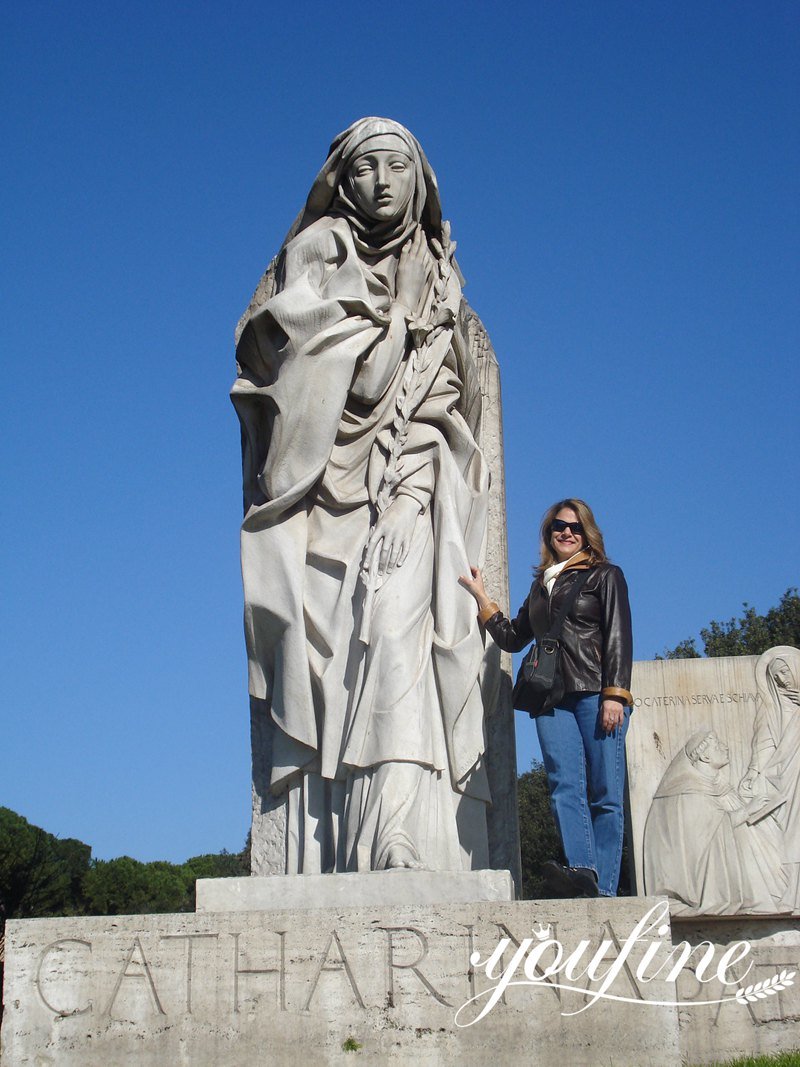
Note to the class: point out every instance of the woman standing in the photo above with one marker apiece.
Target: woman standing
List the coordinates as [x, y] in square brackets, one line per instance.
[583, 737]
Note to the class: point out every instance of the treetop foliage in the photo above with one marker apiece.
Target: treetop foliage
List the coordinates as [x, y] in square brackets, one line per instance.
[750, 635]
[42, 875]
[539, 838]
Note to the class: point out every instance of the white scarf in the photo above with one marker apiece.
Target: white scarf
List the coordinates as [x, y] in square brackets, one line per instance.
[551, 573]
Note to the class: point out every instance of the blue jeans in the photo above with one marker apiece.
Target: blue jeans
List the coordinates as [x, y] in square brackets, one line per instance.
[586, 774]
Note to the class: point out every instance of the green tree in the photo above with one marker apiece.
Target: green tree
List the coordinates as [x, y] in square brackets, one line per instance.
[124, 886]
[218, 865]
[749, 635]
[40, 874]
[43, 875]
[539, 838]
[683, 650]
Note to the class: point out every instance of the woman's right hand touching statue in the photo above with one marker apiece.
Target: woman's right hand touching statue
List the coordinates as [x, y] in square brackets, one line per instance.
[474, 585]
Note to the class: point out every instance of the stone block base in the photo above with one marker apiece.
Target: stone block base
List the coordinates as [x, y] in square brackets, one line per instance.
[390, 982]
[765, 1024]
[285, 892]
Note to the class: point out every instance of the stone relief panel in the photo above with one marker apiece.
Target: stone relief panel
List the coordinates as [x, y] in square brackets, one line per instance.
[714, 763]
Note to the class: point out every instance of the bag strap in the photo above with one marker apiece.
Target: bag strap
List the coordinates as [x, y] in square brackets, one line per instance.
[555, 628]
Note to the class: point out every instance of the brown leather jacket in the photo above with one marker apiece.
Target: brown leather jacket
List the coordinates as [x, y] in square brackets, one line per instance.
[596, 639]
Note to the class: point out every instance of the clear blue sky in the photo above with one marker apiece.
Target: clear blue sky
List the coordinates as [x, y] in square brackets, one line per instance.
[622, 179]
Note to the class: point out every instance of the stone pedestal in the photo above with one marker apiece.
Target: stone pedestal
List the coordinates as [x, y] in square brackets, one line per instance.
[764, 1024]
[435, 982]
[309, 891]
[391, 982]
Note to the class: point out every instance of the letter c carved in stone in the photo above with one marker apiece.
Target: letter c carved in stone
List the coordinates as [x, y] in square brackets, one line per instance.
[63, 1012]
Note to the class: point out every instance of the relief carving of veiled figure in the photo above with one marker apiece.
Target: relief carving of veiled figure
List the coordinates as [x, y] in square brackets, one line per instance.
[773, 777]
[365, 497]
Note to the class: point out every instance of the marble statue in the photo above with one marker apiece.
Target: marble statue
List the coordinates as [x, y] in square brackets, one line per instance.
[773, 777]
[706, 847]
[365, 496]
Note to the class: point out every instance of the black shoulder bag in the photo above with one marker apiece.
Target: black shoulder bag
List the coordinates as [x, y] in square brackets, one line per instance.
[539, 684]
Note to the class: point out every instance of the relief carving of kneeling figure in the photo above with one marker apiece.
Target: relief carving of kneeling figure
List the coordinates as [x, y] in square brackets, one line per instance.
[709, 849]
[365, 497]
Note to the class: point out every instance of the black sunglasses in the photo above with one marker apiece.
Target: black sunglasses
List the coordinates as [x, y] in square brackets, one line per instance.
[558, 526]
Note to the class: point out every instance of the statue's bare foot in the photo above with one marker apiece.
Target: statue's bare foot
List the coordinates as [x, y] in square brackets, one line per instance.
[401, 857]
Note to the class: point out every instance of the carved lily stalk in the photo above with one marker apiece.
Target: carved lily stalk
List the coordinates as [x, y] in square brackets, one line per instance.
[413, 388]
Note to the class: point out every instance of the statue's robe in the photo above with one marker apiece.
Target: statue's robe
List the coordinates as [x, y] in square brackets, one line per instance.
[699, 852]
[376, 746]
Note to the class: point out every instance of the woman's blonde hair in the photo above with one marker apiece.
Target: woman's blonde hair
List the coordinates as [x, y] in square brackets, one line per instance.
[591, 532]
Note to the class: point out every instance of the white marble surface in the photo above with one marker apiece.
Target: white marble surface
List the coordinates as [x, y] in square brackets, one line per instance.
[402, 887]
[367, 493]
[714, 769]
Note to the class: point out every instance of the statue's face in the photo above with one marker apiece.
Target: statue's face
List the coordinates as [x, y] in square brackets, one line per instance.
[383, 182]
[782, 674]
[716, 754]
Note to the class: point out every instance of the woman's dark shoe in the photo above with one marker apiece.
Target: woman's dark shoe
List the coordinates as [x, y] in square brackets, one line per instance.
[570, 881]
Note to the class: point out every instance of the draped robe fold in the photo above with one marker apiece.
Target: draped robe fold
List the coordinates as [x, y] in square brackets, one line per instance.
[699, 852]
[377, 747]
[776, 754]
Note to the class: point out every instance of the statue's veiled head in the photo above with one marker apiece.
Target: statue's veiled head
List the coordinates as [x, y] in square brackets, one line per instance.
[781, 674]
[381, 179]
[376, 175]
[777, 677]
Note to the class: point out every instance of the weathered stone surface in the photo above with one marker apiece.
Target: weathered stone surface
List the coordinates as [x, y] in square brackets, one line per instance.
[268, 832]
[382, 730]
[389, 888]
[763, 1025]
[714, 769]
[226, 990]
[501, 751]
